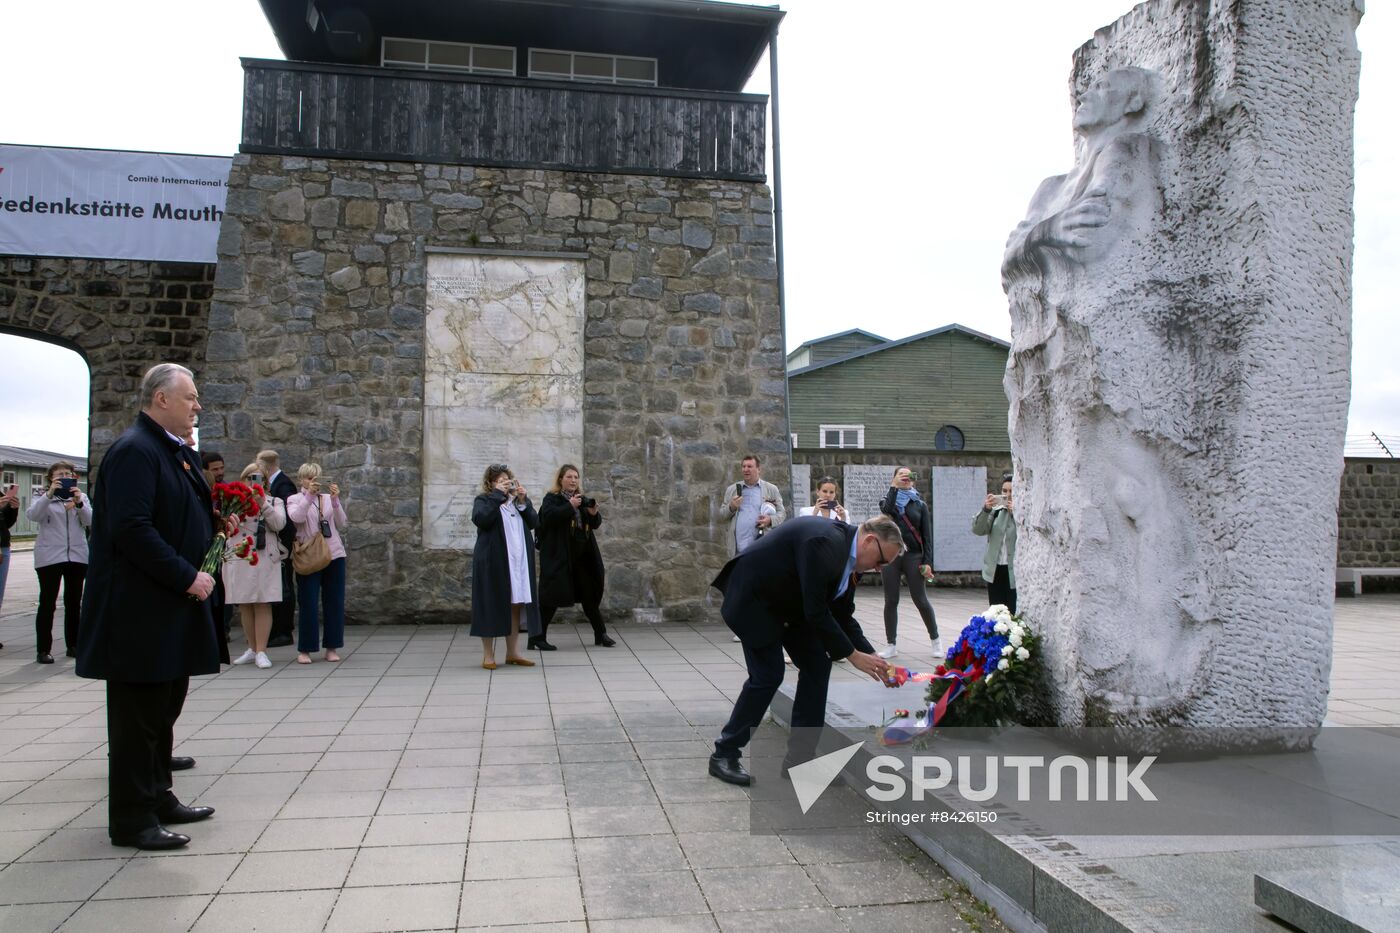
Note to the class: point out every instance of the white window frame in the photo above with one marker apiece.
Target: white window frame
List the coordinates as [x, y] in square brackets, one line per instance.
[427, 63]
[592, 79]
[8, 479]
[859, 430]
[793, 437]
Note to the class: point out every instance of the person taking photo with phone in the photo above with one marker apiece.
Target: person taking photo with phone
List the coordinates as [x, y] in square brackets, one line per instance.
[63, 515]
[915, 520]
[571, 566]
[997, 523]
[828, 503]
[505, 596]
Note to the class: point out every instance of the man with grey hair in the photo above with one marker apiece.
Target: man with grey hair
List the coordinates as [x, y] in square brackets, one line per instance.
[794, 589]
[145, 624]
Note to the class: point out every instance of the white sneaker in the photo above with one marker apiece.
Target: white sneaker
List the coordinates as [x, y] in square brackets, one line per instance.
[245, 657]
[263, 660]
[888, 651]
[939, 650]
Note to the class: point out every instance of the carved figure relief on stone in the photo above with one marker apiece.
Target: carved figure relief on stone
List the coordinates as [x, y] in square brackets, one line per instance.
[1180, 321]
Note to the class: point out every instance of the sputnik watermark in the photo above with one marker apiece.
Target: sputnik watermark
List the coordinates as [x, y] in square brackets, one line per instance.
[1066, 777]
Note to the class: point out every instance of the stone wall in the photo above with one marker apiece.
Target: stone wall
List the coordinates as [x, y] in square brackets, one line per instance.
[121, 316]
[1368, 519]
[317, 350]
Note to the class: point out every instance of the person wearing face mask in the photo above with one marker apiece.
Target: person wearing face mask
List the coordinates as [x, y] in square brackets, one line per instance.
[571, 567]
[997, 523]
[915, 520]
[63, 515]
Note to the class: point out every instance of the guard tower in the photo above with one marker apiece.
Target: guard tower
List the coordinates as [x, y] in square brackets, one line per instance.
[505, 231]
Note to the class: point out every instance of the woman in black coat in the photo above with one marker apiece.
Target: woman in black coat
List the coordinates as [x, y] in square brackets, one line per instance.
[915, 521]
[504, 593]
[571, 568]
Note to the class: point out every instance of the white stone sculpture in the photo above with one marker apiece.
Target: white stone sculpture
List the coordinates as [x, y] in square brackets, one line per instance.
[1179, 374]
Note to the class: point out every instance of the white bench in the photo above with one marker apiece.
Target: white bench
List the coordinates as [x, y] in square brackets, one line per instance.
[1351, 576]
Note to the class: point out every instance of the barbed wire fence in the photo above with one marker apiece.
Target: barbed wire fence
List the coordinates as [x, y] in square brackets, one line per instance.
[1373, 445]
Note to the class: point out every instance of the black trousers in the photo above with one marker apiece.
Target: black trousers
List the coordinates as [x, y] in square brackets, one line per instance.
[140, 737]
[999, 591]
[595, 619]
[907, 566]
[283, 612]
[71, 574]
[765, 666]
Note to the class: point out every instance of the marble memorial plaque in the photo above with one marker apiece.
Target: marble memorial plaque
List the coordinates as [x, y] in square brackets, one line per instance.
[958, 494]
[503, 381]
[863, 488]
[801, 487]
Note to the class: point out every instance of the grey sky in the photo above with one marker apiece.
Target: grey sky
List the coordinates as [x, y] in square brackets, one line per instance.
[913, 136]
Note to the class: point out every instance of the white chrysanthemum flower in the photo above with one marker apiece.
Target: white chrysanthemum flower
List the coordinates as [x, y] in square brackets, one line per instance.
[1021, 653]
[1003, 664]
[1006, 649]
[1001, 628]
[1015, 639]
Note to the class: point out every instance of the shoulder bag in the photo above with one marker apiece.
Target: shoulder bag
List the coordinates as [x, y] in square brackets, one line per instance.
[313, 554]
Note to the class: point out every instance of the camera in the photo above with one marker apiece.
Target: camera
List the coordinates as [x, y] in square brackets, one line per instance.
[588, 503]
[66, 485]
[325, 528]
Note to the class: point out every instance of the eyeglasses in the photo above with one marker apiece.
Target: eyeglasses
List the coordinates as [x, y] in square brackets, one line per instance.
[883, 559]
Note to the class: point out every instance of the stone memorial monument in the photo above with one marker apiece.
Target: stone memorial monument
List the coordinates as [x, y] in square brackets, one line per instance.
[1181, 321]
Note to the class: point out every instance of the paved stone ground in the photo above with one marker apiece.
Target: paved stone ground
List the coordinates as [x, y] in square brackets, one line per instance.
[407, 789]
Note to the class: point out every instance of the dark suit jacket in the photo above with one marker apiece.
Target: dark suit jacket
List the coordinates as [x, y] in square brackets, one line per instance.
[152, 521]
[788, 578]
[282, 487]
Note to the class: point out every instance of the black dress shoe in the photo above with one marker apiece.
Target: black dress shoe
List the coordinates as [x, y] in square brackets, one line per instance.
[152, 837]
[604, 641]
[45, 659]
[180, 763]
[539, 644]
[730, 771]
[279, 641]
[184, 814]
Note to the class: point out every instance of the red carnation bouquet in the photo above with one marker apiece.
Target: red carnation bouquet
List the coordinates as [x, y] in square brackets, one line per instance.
[233, 502]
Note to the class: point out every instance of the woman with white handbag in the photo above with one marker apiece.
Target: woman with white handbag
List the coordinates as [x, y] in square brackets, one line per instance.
[320, 565]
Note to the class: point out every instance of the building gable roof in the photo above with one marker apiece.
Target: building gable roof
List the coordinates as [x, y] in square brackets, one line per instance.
[30, 457]
[891, 344]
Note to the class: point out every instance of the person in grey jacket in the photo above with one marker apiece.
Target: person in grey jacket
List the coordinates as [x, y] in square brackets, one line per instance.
[752, 506]
[63, 515]
[997, 522]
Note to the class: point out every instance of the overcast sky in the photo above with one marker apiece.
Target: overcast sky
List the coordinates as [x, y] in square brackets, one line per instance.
[913, 135]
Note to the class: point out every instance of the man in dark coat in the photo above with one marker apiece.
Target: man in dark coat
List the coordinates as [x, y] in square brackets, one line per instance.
[279, 484]
[145, 625]
[794, 589]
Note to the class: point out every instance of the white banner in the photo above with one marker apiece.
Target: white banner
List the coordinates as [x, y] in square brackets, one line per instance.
[110, 204]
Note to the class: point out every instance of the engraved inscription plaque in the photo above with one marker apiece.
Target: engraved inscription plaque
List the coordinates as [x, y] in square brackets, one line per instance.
[503, 380]
[958, 494]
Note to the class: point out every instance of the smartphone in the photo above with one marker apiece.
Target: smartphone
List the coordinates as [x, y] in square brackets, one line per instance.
[66, 485]
[998, 502]
[913, 477]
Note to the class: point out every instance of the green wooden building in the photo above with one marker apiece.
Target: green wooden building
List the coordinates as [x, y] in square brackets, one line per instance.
[947, 393]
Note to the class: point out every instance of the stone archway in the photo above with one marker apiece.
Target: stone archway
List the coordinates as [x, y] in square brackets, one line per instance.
[120, 316]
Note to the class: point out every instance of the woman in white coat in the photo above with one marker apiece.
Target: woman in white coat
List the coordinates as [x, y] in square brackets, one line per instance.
[253, 588]
[63, 515]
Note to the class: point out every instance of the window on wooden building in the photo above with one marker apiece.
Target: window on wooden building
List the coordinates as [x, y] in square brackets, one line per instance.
[586, 66]
[843, 435]
[447, 56]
